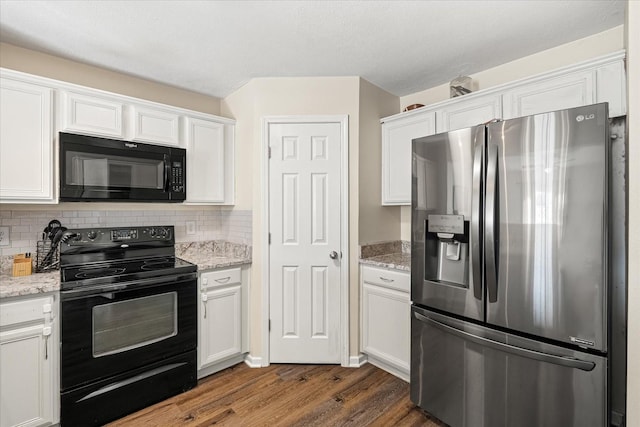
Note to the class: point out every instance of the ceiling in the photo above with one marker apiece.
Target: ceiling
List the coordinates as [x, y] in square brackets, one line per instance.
[215, 47]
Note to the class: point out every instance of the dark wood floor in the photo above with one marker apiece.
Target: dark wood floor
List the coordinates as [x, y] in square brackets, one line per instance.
[289, 395]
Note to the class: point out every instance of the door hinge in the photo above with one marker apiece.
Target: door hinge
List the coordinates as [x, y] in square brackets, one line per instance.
[269, 325]
[269, 152]
[269, 238]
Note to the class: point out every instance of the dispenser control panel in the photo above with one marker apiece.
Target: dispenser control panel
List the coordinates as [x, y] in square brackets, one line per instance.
[453, 224]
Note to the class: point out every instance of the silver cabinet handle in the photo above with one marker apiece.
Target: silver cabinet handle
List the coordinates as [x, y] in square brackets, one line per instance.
[384, 279]
[570, 362]
[46, 331]
[223, 279]
[333, 254]
[204, 298]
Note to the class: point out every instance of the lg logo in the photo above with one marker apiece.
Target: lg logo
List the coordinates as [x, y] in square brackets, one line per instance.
[581, 118]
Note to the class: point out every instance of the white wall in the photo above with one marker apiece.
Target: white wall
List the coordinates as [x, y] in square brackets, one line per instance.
[559, 56]
[633, 128]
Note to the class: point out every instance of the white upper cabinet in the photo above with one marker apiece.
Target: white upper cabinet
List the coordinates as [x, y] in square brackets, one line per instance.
[473, 111]
[155, 125]
[209, 162]
[588, 83]
[92, 114]
[558, 93]
[26, 142]
[397, 133]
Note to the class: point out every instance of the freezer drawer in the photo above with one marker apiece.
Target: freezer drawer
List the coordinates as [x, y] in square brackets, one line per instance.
[467, 375]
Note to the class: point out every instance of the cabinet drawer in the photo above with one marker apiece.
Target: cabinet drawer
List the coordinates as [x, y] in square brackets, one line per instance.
[12, 313]
[388, 278]
[219, 278]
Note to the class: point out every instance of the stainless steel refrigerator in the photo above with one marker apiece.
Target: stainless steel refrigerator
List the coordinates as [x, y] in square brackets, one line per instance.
[509, 272]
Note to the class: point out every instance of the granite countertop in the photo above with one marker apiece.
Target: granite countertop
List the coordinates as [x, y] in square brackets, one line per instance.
[214, 254]
[206, 255]
[38, 283]
[396, 261]
[395, 255]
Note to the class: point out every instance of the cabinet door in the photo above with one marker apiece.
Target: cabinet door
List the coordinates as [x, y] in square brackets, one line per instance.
[386, 325]
[92, 115]
[467, 112]
[221, 324]
[550, 94]
[396, 155]
[26, 142]
[26, 355]
[155, 126]
[205, 161]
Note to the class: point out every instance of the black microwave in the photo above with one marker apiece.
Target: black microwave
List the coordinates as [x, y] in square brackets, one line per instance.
[96, 169]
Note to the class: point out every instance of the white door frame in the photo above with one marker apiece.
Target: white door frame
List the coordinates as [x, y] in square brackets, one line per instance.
[343, 120]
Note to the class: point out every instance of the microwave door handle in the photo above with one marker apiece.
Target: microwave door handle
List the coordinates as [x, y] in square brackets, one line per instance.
[167, 173]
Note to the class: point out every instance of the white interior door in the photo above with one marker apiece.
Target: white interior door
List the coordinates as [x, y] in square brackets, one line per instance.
[304, 222]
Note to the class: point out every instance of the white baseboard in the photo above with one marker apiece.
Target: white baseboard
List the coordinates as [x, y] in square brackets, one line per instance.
[403, 374]
[216, 367]
[253, 361]
[357, 361]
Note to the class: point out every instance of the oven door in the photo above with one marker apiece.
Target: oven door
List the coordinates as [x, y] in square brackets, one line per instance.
[124, 326]
[98, 169]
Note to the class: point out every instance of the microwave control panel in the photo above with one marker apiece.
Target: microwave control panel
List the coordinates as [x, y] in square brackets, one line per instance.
[177, 177]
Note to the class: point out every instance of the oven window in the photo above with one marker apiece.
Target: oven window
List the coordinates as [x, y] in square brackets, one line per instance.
[105, 170]
[125, 325]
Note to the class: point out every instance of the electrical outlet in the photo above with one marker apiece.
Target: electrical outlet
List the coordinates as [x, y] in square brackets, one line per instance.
[191, 227]
[4, 236]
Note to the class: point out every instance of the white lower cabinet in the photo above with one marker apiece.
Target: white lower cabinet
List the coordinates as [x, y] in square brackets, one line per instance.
[223, 323]
[386, 319]
[29, 362]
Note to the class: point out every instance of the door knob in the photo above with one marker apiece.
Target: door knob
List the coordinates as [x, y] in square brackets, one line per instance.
[333, 255]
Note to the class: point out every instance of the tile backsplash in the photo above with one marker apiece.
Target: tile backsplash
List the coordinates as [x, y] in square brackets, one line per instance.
[25, 226]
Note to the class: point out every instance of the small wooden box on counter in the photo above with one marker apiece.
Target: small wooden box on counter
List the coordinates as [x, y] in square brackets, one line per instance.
[21, 265]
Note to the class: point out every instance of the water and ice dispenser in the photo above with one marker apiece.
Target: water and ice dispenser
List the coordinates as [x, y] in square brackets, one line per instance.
[447, 249]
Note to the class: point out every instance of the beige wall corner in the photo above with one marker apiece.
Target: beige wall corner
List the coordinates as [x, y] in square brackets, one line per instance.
[377, 223]
[633, 278]
[53, 67]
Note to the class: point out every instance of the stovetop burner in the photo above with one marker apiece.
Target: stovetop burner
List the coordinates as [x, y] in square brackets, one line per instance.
[93, 272]
[157, 264]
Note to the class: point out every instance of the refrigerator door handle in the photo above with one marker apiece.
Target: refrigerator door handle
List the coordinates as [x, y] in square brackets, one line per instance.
[490, 223]
[508, 348]
[475, 221]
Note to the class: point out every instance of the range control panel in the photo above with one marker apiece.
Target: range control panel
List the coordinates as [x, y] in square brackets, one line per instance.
[125, 235]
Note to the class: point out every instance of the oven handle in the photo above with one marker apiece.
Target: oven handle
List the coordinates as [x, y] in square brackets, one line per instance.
[142, 376]
[66, 295]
